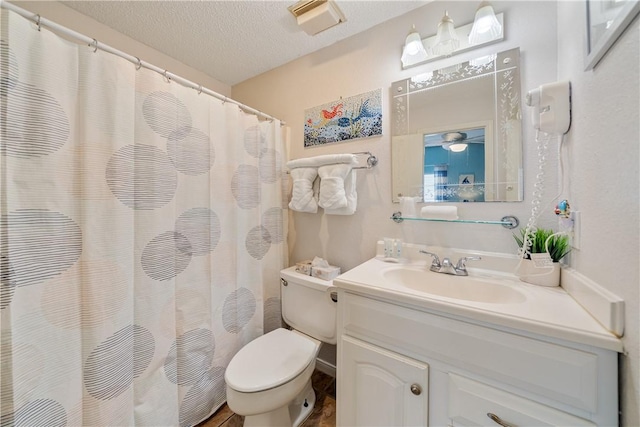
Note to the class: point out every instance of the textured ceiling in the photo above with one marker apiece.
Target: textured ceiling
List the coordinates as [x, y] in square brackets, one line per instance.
[233, 40]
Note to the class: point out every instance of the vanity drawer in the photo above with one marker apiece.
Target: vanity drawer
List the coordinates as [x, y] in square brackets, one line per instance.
[555, 373]
[472, 403]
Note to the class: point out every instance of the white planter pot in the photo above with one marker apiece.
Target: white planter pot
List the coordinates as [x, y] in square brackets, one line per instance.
[542, 276]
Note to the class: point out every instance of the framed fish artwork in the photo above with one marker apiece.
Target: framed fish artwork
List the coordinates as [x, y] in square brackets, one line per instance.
[355, 117]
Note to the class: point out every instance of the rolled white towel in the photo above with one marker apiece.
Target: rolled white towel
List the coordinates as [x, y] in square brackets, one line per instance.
[439, 212]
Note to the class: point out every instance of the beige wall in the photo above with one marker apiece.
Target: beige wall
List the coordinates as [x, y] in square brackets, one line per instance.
[602, 144]
[63, 15]
[603, 176]
[372, 60]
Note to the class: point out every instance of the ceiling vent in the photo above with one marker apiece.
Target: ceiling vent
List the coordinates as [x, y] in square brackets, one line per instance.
[314, 16]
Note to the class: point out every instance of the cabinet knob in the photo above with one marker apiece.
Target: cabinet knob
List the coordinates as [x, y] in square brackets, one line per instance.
[496, 419]
[415, 389]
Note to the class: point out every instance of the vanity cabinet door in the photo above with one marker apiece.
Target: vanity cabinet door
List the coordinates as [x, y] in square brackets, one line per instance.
[472, 403]
[377, 387]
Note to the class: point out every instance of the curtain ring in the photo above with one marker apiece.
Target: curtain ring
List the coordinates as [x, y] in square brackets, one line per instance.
[38, 18]
[224, 100]
[199, 89]
[95, 45]
[166, 77]
[138, 64]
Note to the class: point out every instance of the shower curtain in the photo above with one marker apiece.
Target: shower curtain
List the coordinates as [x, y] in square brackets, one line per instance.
[141, 237]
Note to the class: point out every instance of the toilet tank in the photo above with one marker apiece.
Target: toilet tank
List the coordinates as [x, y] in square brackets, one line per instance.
[307, 305]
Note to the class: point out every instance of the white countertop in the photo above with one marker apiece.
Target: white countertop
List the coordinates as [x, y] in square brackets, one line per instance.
[550, 312]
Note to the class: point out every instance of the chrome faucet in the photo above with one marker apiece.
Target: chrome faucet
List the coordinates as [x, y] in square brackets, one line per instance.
[446, 267]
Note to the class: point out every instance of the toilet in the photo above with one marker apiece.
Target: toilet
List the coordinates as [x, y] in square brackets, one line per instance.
[269, 379]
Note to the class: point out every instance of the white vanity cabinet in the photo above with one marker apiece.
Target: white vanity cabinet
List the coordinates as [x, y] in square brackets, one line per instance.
[467, 372]
[383, 388]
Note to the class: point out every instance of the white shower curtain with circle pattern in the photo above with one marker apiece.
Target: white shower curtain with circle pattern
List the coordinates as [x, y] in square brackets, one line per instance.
[141, 237]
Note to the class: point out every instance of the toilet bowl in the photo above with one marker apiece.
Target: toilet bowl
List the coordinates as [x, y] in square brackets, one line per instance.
[267, 375]
[269, 379]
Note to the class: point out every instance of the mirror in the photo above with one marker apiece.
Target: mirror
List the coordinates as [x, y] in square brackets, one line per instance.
[456, 132]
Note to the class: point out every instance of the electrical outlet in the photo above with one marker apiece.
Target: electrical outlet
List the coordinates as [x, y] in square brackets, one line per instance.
[575, 236]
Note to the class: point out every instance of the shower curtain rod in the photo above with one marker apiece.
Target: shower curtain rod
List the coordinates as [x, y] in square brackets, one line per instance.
[42, 22]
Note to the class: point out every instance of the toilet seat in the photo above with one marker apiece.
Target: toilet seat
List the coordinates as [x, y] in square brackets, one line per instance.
[270, 361]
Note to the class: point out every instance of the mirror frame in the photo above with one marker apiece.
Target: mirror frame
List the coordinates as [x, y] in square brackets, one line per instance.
[504, 66]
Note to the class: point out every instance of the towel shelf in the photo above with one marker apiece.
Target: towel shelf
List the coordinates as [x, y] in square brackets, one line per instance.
[508, 221]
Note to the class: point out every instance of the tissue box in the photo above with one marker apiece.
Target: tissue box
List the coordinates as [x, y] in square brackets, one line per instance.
[304, 267]
[325, 273]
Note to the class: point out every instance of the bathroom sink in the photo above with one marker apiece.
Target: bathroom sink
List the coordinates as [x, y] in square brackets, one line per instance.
[467, 288]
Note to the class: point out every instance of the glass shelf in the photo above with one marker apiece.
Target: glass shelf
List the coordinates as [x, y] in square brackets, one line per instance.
[506, 221]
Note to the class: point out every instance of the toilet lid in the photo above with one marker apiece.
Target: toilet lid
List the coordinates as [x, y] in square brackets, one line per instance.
[269, 361]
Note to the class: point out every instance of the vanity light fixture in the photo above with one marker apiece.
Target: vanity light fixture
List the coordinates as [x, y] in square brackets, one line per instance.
[485, 25]
[413, 51]
[447, 40]
[450, 41]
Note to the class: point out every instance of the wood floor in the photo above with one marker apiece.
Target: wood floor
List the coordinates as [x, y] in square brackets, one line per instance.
[323, 415]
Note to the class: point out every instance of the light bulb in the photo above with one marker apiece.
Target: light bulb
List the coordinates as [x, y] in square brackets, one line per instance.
[413, 51]
[486, 26]
[412, 44]
[446, 41]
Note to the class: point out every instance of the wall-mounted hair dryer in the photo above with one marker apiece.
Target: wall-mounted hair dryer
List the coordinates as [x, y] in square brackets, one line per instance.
[552, 107]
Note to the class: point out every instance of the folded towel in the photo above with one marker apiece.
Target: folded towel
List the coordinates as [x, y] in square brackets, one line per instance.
[408, 206]
[302, 197]
[327, 159]
[332, 189]
[351, 196]
[337, 185]
[439, 212]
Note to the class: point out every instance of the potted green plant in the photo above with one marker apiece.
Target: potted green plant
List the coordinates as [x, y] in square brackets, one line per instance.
[538, 267]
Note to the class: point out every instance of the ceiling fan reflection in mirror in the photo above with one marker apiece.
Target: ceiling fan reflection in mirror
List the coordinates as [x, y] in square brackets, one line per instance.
[455, 141]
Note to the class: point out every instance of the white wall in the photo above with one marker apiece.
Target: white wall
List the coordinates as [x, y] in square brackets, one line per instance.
[63, 15]
[603, 175]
